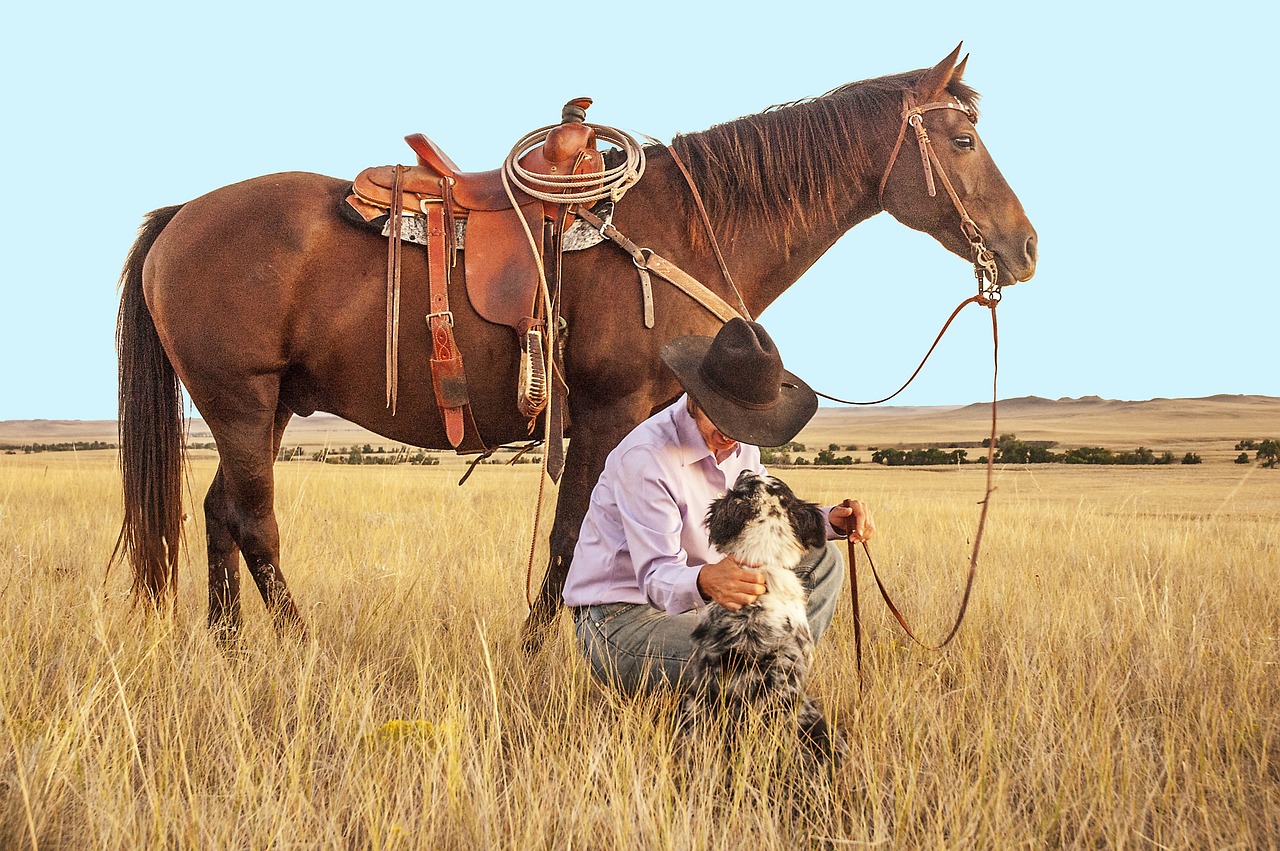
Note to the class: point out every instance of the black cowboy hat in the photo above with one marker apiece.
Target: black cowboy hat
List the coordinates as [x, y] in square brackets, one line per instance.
[738, 381]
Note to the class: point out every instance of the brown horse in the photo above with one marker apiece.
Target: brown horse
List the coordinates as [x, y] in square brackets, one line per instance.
[265, 303]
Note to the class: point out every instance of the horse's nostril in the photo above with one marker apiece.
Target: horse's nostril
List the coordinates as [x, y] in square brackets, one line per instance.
[1031, 248]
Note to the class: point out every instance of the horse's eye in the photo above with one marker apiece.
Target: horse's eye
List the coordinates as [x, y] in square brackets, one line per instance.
[965, 142]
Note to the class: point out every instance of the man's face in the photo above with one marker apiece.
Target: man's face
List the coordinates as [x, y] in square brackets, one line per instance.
[716, 440]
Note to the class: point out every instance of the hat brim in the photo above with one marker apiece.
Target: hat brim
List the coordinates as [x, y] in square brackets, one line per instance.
[774, 426]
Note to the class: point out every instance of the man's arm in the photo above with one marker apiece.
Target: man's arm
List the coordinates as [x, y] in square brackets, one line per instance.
[652, 524]
[852, 519]
[730, 584]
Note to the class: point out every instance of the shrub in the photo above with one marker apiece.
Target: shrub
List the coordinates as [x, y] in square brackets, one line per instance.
[1268, 454]
[827, 458]
[774, 455]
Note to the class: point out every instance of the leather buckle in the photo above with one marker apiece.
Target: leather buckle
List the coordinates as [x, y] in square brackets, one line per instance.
[447, 314]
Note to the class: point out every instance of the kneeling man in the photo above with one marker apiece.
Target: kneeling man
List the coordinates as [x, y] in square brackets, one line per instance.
[644, 567]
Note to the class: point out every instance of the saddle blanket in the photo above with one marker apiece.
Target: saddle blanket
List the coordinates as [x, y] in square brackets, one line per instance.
[413, 229]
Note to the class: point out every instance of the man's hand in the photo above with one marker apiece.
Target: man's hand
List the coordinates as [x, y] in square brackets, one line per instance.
[730, 584]
[853, 518]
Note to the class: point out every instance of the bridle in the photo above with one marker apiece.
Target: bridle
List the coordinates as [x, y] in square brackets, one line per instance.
[984, 261]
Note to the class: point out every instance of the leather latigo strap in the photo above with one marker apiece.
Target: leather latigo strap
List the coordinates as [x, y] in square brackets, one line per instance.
[447, 374]
[393, 304]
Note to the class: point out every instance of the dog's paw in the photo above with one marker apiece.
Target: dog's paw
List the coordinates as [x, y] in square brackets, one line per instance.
[821, 738]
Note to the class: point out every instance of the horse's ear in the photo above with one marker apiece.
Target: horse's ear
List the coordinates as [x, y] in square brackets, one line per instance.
[958, 74]
[933, 85]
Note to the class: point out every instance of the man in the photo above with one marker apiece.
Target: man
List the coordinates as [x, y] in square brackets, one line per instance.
[644, 568]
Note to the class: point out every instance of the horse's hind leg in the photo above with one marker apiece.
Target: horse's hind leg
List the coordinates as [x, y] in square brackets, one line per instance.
[224, 561]
[241, 515]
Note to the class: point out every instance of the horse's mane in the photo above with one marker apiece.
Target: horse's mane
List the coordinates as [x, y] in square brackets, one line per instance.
[783, 168]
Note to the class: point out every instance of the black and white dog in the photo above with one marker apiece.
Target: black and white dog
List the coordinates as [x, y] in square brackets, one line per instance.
[755, 661]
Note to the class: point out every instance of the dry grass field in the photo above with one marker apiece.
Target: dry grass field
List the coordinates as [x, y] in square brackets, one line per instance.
[1114, 684]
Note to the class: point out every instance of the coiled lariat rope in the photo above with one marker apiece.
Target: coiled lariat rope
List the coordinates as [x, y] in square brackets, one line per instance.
[567, 189]
[584, 188]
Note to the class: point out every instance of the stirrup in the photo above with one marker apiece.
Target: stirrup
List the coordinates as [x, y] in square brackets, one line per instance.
[532, 395]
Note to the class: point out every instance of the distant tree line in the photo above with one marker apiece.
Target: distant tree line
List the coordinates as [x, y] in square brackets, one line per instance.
[366, 454]
[75, 446]
[781, 456]
[929, 456]
[1011, 450]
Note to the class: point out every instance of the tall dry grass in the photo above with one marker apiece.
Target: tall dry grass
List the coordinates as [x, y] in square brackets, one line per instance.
[1114, 685]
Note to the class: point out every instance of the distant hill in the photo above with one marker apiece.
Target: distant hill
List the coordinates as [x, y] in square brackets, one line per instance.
[1089, 420]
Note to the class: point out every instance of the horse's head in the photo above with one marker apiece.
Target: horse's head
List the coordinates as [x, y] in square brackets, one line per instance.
[938, 149]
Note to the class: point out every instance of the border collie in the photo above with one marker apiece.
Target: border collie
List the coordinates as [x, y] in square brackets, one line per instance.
[755, 661]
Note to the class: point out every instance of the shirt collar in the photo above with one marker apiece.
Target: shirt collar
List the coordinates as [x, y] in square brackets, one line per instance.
[692, 447]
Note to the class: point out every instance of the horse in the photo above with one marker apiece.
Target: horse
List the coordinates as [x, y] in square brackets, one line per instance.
[265, 303]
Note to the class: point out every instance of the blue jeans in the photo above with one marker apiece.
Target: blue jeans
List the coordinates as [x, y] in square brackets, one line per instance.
[636, 648]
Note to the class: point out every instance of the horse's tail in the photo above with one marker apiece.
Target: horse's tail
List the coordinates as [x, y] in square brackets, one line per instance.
[152, 440]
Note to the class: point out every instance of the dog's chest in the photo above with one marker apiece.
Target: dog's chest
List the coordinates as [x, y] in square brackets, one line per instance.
[768, 540]
[783, 605]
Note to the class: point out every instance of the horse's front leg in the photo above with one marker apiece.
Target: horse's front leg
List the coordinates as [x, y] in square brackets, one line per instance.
[595, 433]
[580, 476]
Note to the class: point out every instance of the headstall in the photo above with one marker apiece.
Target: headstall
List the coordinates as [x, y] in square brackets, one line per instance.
[984, 261]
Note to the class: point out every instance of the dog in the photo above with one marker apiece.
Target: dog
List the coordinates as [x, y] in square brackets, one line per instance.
[755, 661]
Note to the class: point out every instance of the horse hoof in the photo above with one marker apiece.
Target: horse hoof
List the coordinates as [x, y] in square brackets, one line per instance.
[534, 635]
[291, 625]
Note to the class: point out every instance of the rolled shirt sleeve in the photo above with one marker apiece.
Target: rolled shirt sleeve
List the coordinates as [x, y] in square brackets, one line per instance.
[833, 534]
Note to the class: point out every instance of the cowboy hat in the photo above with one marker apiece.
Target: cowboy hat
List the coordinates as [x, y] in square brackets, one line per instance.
[738, 381]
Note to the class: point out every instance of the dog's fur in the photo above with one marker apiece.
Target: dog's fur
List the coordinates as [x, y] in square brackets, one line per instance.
[756, 660]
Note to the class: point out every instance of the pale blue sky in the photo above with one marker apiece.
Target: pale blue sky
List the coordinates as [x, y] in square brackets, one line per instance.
[1137, 140]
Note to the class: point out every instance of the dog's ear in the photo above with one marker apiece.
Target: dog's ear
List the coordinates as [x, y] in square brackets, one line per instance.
[809, 524]
[727, 517]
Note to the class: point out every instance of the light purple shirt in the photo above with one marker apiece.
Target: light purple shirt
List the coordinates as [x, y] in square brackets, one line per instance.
[644, 538]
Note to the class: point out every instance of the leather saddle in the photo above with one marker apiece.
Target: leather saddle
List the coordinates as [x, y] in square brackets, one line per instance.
[501, 268]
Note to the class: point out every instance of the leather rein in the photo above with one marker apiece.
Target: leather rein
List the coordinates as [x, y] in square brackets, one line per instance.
[988, 295]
